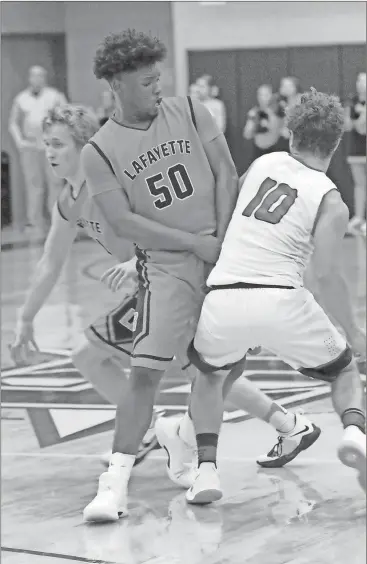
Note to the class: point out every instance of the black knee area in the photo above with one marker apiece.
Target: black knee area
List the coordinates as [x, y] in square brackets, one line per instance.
[203, 366]
[330, 372]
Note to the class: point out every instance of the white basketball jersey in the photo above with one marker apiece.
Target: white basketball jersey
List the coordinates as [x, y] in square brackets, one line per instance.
[269, 238]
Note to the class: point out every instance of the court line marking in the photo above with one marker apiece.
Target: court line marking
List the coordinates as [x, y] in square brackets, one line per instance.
[163, 456]
[55, 555]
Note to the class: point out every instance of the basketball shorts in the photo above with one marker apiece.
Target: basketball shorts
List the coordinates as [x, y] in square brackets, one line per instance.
[157, 323]
[113, 331]
[170, 296]
[287, 322]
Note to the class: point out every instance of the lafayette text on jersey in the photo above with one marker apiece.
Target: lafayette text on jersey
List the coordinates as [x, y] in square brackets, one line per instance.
[84, 214]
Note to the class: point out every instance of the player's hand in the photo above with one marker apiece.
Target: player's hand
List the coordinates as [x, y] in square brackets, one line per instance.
[120, 274]
[207, 248]
[20, 349]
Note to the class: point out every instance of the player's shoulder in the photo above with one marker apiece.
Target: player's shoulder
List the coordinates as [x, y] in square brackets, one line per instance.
[22, 96]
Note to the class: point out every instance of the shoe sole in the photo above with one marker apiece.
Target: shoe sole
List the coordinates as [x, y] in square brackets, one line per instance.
[152, 445]
[179, 480]
[205, 497]
[349, 455]
[305, 443]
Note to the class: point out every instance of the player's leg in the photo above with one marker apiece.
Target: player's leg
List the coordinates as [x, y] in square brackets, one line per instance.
[103, 358]
[309, 342]
[219, 346]
[163, 304]
[101, 370]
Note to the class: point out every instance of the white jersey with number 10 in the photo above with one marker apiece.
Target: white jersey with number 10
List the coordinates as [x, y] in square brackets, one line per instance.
[269, 238]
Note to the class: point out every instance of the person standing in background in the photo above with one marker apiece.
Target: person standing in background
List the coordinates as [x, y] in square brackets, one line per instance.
[288, 91]
[29, 109]
[216, 107]
[106, 108]
[356, 125]
[262, 125]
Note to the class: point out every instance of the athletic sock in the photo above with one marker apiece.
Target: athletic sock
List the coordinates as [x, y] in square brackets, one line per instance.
[120, 462]
[282, 420]
[354, 416]
[207, 447]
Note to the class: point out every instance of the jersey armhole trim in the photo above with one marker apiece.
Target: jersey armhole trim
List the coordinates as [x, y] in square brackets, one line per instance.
[59, 210]
[192, 112]
[319, 211]
[101, 153]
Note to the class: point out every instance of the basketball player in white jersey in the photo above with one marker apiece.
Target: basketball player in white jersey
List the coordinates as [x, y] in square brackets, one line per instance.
[287, 211]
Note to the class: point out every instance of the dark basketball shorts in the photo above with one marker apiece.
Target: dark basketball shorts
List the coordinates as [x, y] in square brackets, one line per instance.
[157, 323]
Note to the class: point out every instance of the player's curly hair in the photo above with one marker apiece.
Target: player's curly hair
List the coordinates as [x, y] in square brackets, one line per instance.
[82, 121]
[316, 120]
[127, 51]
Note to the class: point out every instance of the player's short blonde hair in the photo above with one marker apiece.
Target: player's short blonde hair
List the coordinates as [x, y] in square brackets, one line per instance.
[317, 122]
[81, 121]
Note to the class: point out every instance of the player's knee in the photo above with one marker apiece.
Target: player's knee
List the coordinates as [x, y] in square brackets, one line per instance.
[330, 372]
[142, 377]
[85, 354]
[204, 367]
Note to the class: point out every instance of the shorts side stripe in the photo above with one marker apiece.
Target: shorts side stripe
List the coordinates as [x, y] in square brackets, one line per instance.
[109, 343]
[153, 357]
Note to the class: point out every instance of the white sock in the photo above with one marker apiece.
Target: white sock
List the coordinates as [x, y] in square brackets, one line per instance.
[186, 431]
[120, 462]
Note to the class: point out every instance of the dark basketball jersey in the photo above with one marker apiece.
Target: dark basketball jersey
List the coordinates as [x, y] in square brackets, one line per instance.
[82, 213]
[164, 169]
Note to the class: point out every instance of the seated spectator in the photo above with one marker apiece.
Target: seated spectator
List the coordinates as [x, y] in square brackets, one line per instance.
[356, 125]
[262, 125]
[216, 107]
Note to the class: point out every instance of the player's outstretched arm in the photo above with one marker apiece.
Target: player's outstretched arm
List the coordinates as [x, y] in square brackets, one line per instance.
[111, 199]
[48, 269]
[222, 165]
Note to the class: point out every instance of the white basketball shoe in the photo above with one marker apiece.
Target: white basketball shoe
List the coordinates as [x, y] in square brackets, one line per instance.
[206, 486]
[110, 502]
[180, 454]
[289, 445]
[352, 452]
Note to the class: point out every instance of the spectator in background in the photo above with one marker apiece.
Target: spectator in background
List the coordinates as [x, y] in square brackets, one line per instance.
[262, 125]
[106, 108]
[29, 109]
[288, 90]
[194, 91]
[216, 107]
[356, 125]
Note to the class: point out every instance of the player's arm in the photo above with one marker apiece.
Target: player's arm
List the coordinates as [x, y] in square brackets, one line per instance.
[111, 199]
[222, 165]
[48, 269]
[328, 284]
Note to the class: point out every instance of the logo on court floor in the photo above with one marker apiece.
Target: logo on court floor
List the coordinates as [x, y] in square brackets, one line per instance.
[62, 406]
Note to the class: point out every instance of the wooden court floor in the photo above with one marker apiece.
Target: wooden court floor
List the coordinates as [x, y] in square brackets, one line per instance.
[54, 427]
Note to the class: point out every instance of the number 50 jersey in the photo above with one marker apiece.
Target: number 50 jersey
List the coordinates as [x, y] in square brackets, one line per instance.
[269, 238]
[164, 169]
